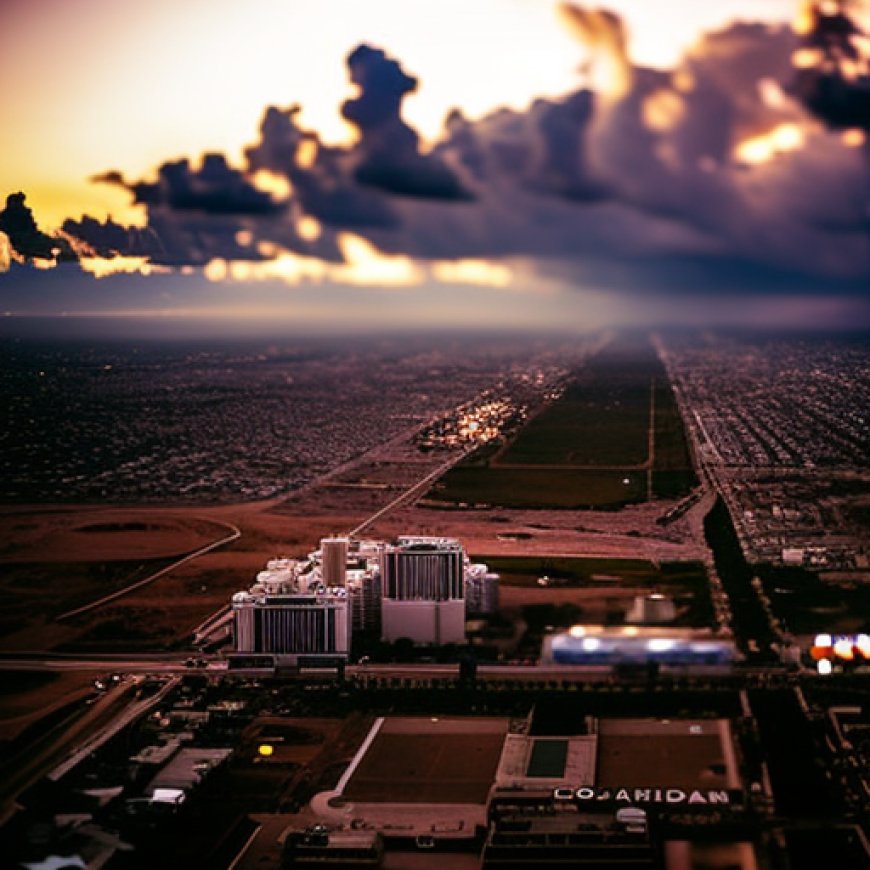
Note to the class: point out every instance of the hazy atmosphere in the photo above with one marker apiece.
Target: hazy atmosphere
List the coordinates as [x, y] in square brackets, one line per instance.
[437, 435]
[503, 163]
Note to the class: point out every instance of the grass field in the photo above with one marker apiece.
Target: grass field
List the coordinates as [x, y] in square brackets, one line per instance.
[590, 448]
[540, 488]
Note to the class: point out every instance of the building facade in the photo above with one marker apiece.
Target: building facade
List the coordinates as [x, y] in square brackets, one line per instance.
[423, 587]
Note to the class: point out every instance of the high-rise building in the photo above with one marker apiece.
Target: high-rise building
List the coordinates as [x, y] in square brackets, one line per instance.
[423, 590]
[282, 616]
[333, 565]
[423, 569]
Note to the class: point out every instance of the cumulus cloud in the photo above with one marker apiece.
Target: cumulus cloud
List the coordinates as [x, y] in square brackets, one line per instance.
[214, 188]
[709, 178]
[388, 155]
[834, 67]
[321, 175]
[110, 239]
[27, 241]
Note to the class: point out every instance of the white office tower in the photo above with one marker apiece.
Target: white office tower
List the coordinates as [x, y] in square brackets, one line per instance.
[333, 560]
[289, 616]
[481, 590]
[423, 590]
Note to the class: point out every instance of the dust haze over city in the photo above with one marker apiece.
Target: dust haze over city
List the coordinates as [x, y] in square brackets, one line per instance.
[436, 434]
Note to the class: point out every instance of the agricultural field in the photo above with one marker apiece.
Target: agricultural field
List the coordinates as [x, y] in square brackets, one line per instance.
[613, 438]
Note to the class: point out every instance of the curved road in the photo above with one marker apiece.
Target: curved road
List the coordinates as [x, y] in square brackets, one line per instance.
[235, 533]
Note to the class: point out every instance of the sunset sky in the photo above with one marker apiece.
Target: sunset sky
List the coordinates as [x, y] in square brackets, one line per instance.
[496, 162]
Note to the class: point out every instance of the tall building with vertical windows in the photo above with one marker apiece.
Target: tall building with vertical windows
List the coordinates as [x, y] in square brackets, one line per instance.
[290, 617]
[333, 564]
[423, 589]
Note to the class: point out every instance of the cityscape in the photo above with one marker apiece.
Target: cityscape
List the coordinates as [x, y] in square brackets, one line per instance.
[606, 678]
[436, 437]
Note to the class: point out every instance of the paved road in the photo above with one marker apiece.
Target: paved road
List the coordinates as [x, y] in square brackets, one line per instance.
[411, 493]
[161, 664]
[21, 771]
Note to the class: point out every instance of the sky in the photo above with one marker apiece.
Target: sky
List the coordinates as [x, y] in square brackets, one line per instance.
[497, 163]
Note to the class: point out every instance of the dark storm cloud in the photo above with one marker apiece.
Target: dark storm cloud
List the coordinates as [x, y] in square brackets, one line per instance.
[613, 195]
[17, 222]
[215, 188]
[349, 187]
[644, 189]
[833, 92]
[387, 155]
[324, 187]
[109, 239]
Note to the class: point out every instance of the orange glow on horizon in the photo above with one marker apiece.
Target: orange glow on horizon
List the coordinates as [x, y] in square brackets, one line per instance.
[102, 267]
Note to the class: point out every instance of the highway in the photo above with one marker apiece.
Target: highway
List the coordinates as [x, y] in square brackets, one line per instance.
[20, 771]
[412, 492]
[215, 666]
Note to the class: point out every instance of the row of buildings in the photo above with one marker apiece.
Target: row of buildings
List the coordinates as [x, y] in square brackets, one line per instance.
[419, 588]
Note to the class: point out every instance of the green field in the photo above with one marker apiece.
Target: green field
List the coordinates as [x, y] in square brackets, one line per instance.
[590, 448]
[540, 488]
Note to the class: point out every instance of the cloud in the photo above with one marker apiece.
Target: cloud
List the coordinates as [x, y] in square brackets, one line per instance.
[322, 180]
[24, 236]
[215, 188]
[710, 178]
[387, 155]
[833, 78]
[110, 239]
[603, 34]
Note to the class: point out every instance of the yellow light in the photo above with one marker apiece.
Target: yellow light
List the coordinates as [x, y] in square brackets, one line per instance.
[308, 228]
[265, 750]
[102, 267]
[306, 153]
[843, 649]
[603, 34]
[365, 265]
[805, 19]
[854, 138]
[472, 271]
[763, 148]
[662, 110]
[806, 58]
[270, 182]
[7, 253]
[216, 269]
[683, 80]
